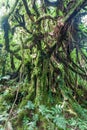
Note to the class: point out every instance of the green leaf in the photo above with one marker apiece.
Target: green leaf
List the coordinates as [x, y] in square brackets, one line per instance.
[60, 122]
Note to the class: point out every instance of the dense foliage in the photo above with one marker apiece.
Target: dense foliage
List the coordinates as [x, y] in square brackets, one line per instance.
[43, 65]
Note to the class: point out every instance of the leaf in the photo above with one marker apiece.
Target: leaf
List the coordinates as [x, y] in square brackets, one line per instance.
[30, 105]
[60, 122]
[60, 13]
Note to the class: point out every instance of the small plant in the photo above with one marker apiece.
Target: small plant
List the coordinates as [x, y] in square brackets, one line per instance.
[54, 115]
[30, 105]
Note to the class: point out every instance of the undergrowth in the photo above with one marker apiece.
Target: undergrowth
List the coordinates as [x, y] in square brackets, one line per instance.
[26, 115]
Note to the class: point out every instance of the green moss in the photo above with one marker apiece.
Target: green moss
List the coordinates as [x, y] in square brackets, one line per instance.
[19, 121]
[25, 99]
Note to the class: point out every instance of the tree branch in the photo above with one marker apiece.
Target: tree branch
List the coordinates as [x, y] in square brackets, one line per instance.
[27, 10]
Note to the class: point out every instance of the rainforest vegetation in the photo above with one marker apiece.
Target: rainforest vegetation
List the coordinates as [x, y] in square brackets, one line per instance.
[43, 64]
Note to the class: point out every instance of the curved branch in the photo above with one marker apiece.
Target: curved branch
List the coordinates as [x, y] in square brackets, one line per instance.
[66, 64]
[44, 18]
[27, 10]
[73, 12]
[35, 8]
[13, 8]
[62, 32]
